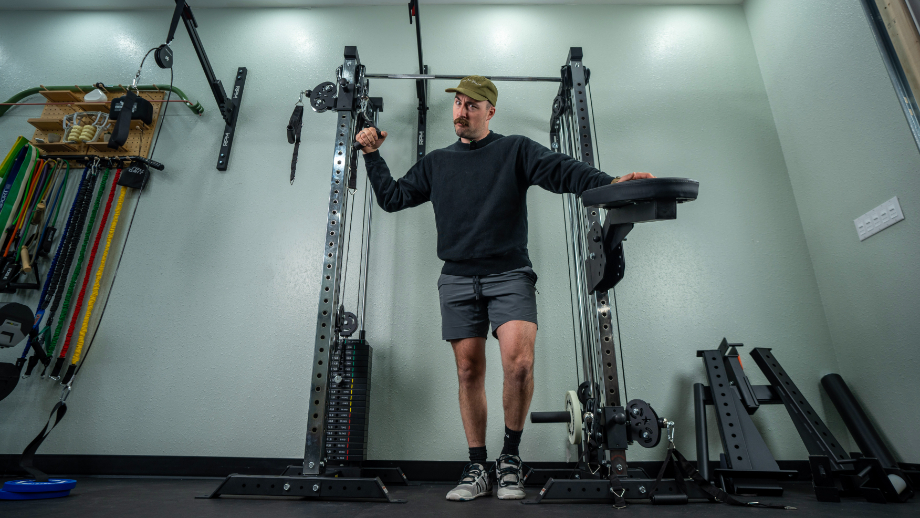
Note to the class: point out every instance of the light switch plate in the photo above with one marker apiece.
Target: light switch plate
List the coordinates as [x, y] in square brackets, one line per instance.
[878, 219]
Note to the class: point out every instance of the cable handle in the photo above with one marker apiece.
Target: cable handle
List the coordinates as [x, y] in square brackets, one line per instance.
[358, 145]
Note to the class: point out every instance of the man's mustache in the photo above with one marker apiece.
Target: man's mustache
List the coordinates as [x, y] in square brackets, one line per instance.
[462, 121]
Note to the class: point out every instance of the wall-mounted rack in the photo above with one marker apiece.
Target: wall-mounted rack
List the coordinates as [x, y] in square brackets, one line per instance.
[66, 103]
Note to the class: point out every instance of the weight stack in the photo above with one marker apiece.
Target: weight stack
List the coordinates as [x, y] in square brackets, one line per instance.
[348, 403]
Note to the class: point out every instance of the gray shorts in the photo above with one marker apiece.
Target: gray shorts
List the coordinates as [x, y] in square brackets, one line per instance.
[468, 304]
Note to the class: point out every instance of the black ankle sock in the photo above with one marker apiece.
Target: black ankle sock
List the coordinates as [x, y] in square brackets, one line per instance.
[512, 441]
[479, 455]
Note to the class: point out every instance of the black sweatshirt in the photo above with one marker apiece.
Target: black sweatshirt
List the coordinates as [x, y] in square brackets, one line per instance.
[479, 194]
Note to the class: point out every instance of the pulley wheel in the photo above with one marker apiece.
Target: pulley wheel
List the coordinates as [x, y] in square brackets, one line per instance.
[643, 423]
[322, 97]
[349, 324]
[573, 407]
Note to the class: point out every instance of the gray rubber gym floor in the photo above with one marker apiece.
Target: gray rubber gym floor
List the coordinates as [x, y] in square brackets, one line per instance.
[171, 498]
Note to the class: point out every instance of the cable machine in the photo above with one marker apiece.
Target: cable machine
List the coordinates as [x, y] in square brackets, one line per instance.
[337, 423]
[598, 422]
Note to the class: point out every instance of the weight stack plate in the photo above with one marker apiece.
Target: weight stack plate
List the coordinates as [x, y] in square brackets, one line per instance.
[348, 404]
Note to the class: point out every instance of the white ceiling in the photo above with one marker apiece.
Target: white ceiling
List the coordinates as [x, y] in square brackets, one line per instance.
[79, 5]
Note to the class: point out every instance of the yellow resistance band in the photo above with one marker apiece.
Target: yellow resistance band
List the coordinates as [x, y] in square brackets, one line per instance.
[95, 292]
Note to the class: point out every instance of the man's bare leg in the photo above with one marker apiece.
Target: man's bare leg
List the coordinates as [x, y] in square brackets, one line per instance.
[471, 371]
[470, 354]
[516, 341]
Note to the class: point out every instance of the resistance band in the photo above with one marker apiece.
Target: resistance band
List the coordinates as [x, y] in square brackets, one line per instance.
[57, 264]
[17, 211]
[56, 372]
[48, 232]
[26, 212]
[73, 242]
[46, 237]
[86, 276]
[11, 156]
[99, 271]
[39, 214]
[13, 197]
[63, 257]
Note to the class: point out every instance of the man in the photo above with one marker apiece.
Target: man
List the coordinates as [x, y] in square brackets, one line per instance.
[478, 187]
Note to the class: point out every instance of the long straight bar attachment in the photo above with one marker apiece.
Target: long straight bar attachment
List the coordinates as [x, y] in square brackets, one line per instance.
[456, 78]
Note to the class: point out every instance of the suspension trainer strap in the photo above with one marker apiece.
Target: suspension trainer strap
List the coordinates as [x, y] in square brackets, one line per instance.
[293, 134]
[88, 233]
[95, 291]
[684, 470]
[27, 461]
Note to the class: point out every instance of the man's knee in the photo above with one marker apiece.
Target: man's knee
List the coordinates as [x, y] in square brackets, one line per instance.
[470, 372]
[471, 361]
[519, 369]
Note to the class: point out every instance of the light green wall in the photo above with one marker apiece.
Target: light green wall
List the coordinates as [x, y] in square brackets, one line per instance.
[848, 148]
[206, 345]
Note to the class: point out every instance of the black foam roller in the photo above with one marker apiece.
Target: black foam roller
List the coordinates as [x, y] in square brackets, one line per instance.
[549, 417]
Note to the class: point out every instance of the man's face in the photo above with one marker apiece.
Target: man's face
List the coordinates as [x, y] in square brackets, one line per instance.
[471, 117]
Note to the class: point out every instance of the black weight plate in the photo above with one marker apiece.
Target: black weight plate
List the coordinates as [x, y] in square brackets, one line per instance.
[647, 189]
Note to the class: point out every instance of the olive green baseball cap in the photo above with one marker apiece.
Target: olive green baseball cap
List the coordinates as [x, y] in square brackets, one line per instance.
[478, 88]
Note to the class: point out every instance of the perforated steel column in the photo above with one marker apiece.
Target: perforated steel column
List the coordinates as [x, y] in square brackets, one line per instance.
[330, 293]
[603, 329]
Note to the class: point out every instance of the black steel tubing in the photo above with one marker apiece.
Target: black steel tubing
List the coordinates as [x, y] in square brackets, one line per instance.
[702, 435]
[455, 77]
[549, 417]
[856, 420]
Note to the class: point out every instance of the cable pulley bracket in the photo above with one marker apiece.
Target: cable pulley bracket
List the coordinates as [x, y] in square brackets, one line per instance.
[229, 105]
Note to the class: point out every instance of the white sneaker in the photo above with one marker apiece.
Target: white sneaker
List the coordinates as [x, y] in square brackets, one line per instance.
[510, 479]
[474, 482]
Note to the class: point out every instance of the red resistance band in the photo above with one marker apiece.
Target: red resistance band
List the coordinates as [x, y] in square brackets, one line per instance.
[89, 266]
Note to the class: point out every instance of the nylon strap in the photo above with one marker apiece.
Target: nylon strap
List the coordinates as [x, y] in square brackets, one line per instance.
[108, 243]
[27, 461]
[619, 500]
[293, 133]
[683, 470]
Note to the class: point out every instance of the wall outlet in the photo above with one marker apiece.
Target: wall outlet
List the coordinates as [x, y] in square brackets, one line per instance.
[878, 219]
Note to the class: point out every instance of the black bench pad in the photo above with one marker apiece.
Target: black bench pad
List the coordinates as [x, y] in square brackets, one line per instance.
[647, 189]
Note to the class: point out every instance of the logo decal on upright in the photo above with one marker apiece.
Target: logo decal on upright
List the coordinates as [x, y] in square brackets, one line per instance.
[226, 139]
[236, 92]
[421, 138]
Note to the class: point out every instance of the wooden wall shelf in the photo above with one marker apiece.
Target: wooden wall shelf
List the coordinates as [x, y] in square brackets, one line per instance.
[48, 123]
[60, 96]
[57, 147]
[98, 106]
